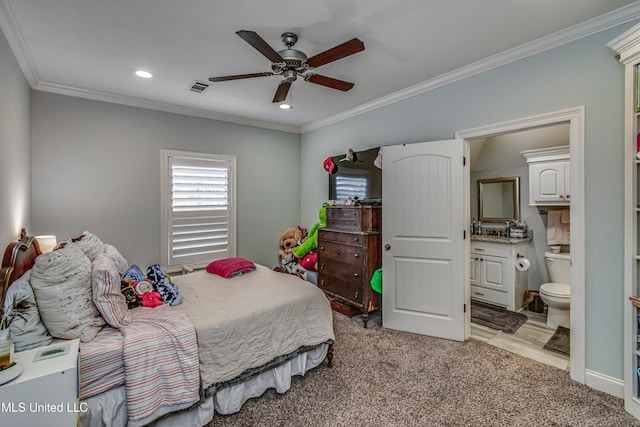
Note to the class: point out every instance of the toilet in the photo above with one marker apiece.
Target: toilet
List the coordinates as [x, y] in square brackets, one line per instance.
[557, 293]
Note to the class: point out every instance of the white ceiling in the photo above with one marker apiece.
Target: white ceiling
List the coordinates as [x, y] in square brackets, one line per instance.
[90, 48]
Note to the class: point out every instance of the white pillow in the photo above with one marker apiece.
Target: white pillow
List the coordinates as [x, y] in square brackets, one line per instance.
[118, 260]
[61, 282]
[90, 244]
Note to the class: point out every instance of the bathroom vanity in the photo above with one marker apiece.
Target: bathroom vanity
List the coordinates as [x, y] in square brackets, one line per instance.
[494, 278]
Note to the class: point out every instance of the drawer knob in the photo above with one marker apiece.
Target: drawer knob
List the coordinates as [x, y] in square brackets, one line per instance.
[478, 293]
[338, 251]
[356, 295]
[356, 275]
[322, 266]
[356, 255]
[322, 248]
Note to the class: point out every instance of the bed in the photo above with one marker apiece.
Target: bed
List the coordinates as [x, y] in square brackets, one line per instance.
[250, 333]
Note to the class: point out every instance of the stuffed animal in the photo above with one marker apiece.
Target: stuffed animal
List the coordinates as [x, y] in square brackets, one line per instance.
[149, 297]
[129, 292]
[311, 244]
[289, 239]
[310, 261]
[162, 284]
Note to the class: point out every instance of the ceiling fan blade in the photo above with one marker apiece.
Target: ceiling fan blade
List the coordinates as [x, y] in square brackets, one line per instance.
[281, 92]
[239, 76]
[260, 45]
[345, 49]
[330, 82]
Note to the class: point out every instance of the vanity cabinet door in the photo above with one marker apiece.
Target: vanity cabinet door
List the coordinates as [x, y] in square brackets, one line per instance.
[549, 183]
[474, 269]
[494, 273]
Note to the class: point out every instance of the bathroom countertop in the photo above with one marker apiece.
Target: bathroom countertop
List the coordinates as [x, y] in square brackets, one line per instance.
[499, 239]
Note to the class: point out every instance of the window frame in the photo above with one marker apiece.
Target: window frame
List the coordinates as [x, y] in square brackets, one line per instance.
[166, 198]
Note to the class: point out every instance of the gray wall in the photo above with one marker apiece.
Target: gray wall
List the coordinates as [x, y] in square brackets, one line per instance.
[15, 147]
[96, 167]
[584, 72]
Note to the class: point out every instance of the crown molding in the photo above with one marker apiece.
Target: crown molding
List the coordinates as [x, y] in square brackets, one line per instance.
[14, 37]
[159, 106]
[592, 26]
[12, 33]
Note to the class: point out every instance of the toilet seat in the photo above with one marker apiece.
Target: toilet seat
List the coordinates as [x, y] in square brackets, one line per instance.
[558, 290]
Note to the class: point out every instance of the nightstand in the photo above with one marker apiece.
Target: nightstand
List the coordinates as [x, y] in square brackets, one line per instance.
[46, 392]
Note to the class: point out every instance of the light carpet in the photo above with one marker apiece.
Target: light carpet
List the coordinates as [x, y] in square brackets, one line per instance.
[383, 377]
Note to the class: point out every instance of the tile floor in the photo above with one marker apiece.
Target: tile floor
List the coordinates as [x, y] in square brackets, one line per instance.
[527, 341]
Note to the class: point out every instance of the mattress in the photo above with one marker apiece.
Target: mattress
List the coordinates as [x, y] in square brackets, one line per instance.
[101, 363]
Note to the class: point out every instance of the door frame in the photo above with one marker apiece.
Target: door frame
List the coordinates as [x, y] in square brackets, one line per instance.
[575, 118]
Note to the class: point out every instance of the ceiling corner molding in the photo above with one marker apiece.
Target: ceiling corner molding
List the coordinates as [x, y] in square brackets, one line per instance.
[592, 26]
[159, 106]
[14, 37]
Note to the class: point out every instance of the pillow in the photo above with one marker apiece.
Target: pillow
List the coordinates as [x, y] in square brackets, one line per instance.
[118, 260]
[230, 267]
[61, 282]
[89, 243]
[26, 328]
[105, 282]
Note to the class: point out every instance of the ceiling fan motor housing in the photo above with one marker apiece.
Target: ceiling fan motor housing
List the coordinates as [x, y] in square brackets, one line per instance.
[290, 76]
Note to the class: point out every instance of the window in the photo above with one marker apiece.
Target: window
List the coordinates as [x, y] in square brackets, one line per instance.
[198, 208]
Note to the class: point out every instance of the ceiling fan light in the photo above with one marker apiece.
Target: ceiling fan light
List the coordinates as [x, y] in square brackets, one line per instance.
[143, 74]
[285, 106]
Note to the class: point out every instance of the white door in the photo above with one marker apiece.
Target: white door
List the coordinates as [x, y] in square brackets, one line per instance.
[424, 257]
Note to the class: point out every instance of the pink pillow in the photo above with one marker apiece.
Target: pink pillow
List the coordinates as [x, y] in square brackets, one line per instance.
[231, 267]
[105, 281]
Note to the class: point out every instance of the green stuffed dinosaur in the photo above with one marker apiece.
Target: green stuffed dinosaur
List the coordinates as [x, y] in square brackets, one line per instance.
[311, 244]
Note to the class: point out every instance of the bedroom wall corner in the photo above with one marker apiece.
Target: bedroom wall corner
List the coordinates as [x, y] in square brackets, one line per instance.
[15, 146]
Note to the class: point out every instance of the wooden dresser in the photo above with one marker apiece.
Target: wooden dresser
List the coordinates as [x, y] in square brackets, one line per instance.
[349, 251]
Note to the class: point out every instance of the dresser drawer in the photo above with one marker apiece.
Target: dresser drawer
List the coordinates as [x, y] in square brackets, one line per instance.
[347, 238]
[490, 296]
[347, 286]
[354, 218]
[340, 252]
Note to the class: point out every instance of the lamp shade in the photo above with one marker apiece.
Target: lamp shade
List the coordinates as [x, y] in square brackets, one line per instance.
[46, 243]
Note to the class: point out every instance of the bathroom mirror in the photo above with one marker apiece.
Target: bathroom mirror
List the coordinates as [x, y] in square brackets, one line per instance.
[499, 199]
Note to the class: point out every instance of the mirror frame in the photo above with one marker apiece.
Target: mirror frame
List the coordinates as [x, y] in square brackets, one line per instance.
[516, 198]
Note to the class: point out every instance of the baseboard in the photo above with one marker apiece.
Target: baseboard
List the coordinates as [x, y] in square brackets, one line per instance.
[604, 383]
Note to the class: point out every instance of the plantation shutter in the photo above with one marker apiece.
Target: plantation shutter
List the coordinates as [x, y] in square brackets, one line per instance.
[200, 216]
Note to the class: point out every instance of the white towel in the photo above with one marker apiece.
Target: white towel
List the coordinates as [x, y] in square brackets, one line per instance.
[565, 218]
[557, 231]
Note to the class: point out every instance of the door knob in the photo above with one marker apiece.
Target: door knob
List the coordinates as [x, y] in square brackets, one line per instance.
[387, 247]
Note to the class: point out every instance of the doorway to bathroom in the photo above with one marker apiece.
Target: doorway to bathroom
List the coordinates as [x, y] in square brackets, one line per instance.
[494, 151]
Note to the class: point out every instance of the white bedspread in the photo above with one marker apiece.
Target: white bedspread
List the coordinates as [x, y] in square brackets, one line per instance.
[247, 321]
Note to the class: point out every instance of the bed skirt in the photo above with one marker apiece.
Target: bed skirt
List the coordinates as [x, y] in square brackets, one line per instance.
[110, 408]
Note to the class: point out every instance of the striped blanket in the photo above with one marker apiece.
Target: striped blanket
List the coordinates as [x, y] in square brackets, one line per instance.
[160, 354]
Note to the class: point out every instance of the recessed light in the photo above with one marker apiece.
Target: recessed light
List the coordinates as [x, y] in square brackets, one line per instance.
[143, 74]
[285, 106]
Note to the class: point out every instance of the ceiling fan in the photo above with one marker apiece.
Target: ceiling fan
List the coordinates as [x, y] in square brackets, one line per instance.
[291, 63]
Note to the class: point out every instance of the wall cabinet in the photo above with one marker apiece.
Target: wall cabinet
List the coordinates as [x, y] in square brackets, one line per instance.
[493, 274]
[627, 46]
[549, 176]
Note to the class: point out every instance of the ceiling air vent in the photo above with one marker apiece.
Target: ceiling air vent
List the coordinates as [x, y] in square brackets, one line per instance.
[199, 86]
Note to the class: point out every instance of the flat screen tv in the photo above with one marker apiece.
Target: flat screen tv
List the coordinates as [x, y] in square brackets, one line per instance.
[360, 178]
